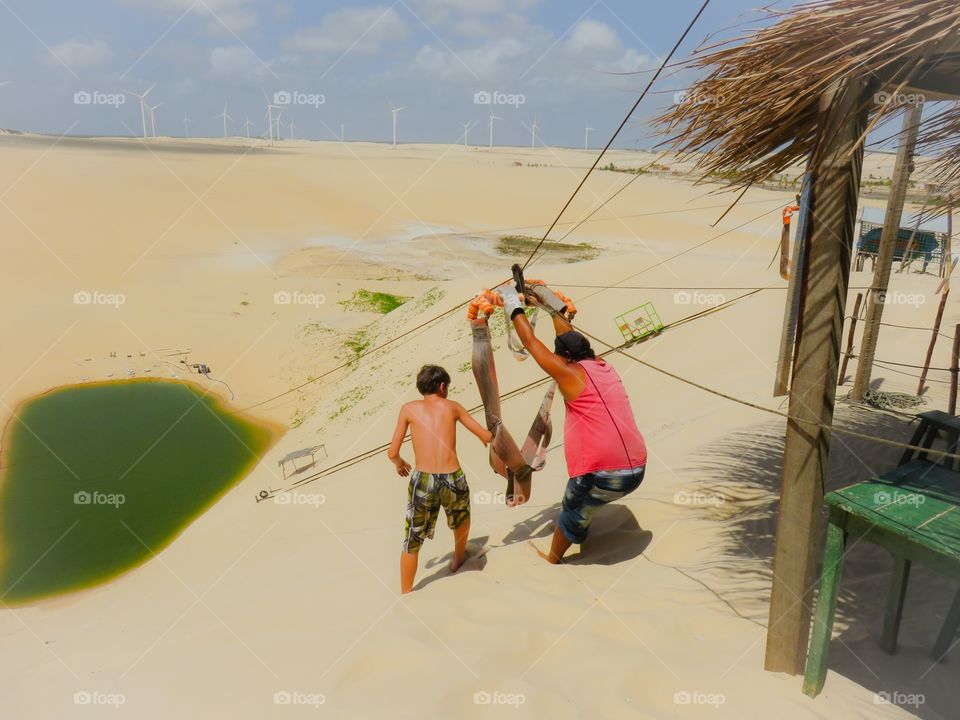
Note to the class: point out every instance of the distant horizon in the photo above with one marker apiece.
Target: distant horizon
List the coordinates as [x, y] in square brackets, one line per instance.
[542, 146]
[79, 136]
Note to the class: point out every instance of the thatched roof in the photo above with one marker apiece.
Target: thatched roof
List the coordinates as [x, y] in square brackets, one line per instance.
[755, 112]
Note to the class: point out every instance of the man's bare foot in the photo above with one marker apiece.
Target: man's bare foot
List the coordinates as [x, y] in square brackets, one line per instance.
[542, 554]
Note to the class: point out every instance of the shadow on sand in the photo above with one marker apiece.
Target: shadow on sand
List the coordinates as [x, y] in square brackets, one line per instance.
[615, 535]
[476, 561]
[742, 472]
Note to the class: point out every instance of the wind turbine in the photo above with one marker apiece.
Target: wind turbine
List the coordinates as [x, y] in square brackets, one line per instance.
[225, 118]
[268, 115]
[153, 118]
[143, 107]
[186, 126]
[586, 138]
[341, 131]
[466, 130]
[292, 126]
[279, 115]
[247, 125]
[395, 110]
[492, 118]
[533, 133]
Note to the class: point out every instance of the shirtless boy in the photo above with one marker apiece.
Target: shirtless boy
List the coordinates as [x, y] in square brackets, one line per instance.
[437, 480]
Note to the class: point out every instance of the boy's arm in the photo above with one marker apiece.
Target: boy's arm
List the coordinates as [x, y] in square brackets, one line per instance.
[486, 437]
[403, 422]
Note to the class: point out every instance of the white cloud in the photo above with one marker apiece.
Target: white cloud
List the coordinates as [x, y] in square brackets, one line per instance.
[497, 58]
[77, 54]
[503, 60]
[440, 11]
[592, 36]
[223, 16]
[235, 64]
[630, 61]
[359, 30]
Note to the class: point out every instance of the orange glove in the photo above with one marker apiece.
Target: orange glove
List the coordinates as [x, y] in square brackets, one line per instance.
[571, 308]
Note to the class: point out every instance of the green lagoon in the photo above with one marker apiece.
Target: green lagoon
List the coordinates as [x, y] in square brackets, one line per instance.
[97, 478]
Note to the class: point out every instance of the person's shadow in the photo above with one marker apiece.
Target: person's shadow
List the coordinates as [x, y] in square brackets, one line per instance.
[615, 535]
[476, 561]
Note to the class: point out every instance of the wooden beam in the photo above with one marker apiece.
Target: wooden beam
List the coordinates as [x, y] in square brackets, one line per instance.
[835, 181]
[888, 244]
[933, 85]
[936, 76]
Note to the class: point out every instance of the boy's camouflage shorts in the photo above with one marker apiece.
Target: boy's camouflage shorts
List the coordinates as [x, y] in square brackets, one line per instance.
[427, 493]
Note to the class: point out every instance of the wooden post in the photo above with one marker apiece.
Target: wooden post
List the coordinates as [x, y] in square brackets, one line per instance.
[933, 340]
[948, 246]
[888, 243]
[853, 329]
[785, 249]
[946, 241]
[791, 307]
[785, 240]
[835, 172]
[906, 260]
[954, 369]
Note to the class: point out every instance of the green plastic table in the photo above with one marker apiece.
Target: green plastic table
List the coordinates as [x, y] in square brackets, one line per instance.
[912, 511]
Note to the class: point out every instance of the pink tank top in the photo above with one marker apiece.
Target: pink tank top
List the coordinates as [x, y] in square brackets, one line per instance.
[592, 432]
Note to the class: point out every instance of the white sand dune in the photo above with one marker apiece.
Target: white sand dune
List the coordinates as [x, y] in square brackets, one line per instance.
[661, 613]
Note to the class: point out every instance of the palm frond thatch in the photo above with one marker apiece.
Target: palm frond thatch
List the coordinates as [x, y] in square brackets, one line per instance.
[756, 111]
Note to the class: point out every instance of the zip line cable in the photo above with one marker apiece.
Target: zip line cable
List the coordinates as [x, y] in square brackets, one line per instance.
[546, 234]
[676, 255]
[343, 464]
[613, 137]
[463, 304]
[746, 403]
[359, 357]
[621, 349]
[578, 223]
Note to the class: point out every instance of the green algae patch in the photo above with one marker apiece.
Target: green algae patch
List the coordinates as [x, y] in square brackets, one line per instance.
[98, 478]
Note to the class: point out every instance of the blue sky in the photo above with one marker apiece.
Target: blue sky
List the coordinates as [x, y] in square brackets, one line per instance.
[343, 62]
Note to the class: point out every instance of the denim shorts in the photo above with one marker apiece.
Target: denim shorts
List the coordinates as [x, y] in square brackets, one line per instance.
[585, 494]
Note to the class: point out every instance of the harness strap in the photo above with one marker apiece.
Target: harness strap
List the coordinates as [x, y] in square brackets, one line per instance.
[534, 448]
[505, 457]
[513, 342]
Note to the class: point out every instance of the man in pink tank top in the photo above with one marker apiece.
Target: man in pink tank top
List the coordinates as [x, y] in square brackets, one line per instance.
[606, 454]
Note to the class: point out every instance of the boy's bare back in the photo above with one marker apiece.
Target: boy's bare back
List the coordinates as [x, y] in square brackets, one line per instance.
[433, 431]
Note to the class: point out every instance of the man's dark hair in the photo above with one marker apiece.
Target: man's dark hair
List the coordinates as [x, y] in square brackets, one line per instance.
[430, 378]
[573, 346]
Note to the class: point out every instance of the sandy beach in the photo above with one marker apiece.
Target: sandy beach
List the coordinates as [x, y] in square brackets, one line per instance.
[122, 258]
